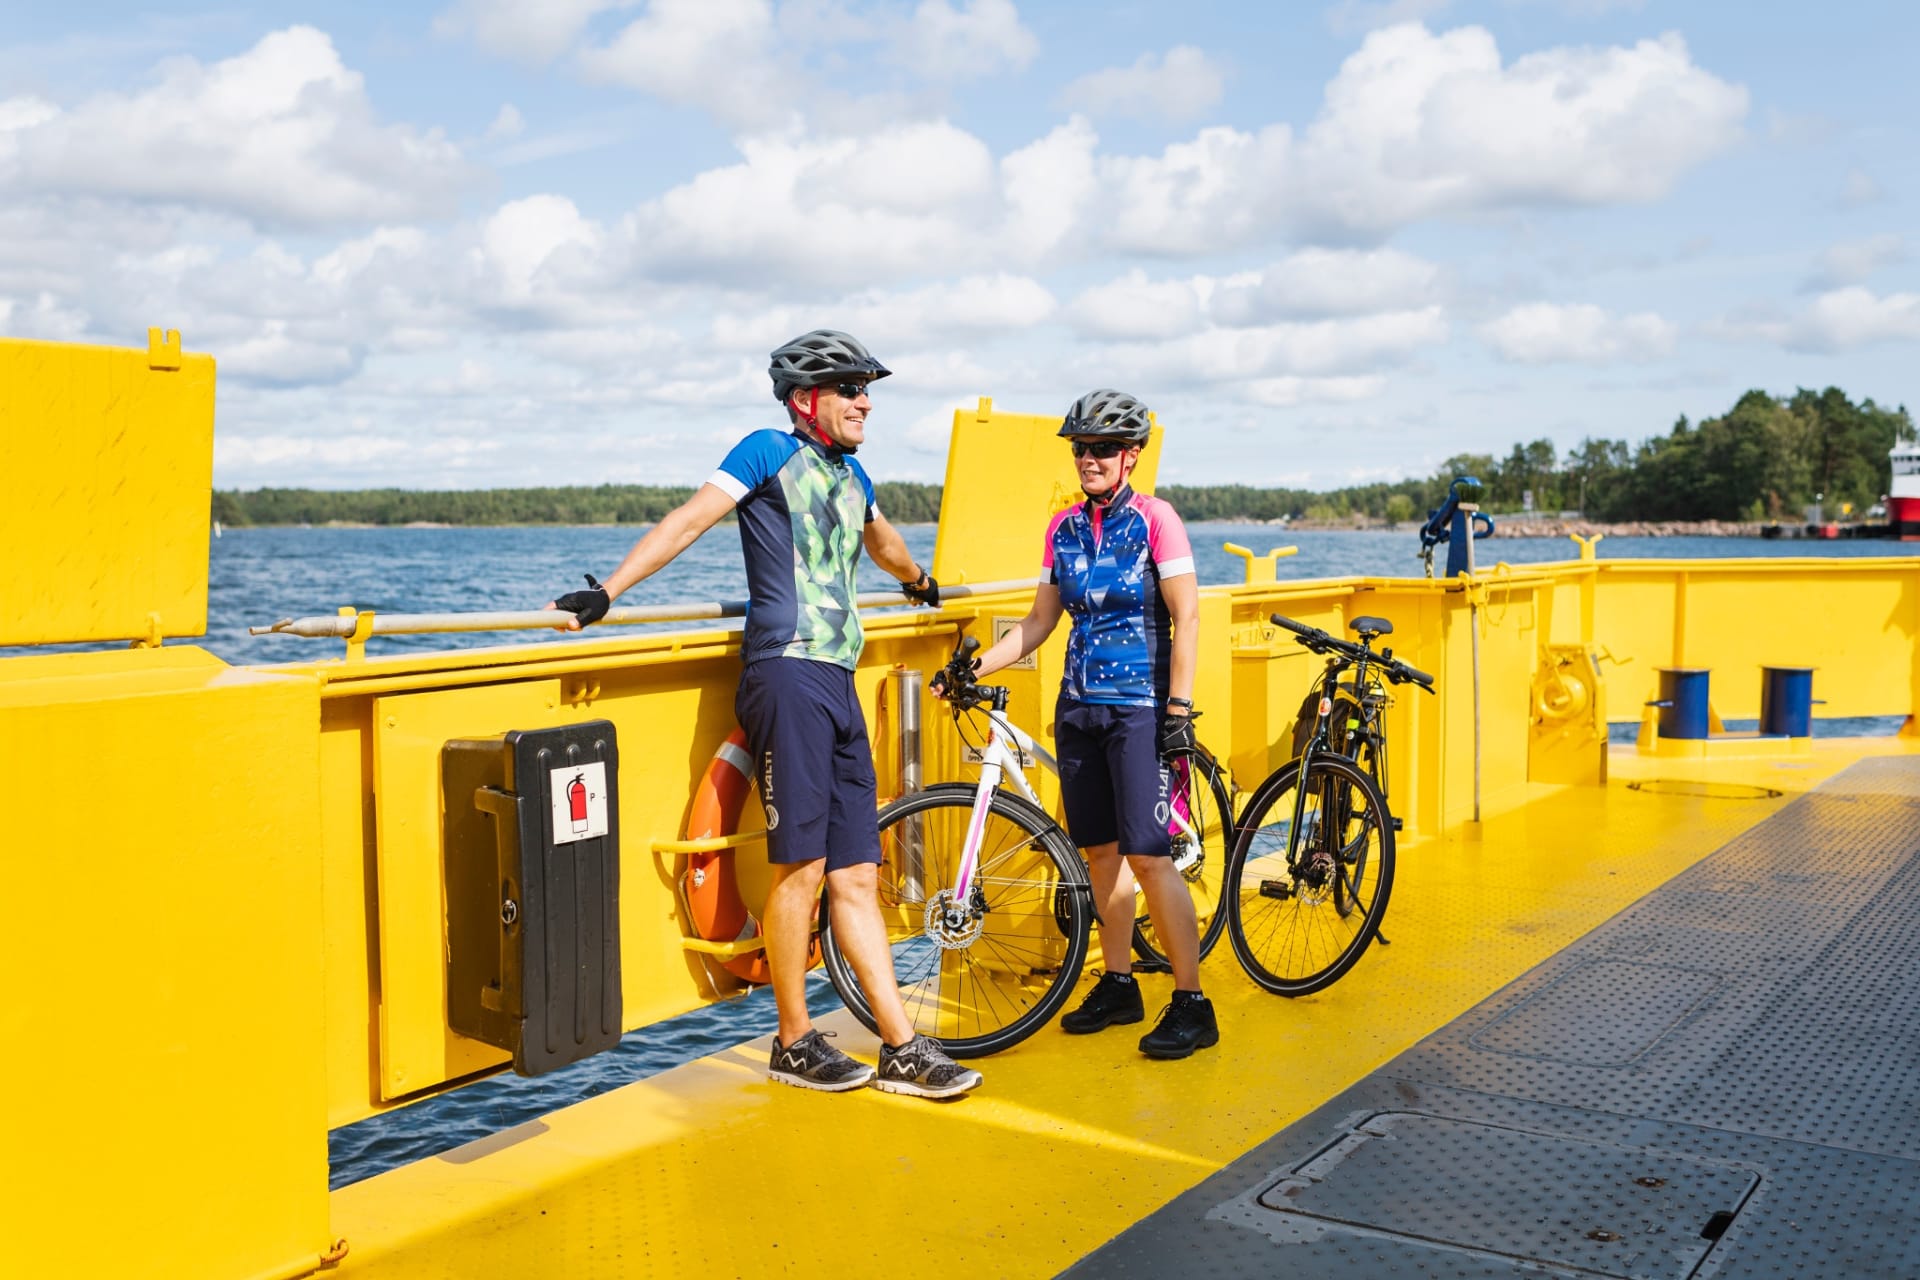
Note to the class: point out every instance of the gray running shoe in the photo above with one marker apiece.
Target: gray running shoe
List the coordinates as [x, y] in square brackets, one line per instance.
[811, 1063]
[922, 1068]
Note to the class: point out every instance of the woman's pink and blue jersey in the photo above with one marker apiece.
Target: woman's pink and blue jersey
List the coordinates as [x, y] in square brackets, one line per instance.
[1108, 563]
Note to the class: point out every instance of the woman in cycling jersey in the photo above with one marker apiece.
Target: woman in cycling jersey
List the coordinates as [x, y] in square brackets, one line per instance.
[1120, 564]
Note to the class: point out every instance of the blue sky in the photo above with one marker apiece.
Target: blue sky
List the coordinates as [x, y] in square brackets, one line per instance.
[482, 243]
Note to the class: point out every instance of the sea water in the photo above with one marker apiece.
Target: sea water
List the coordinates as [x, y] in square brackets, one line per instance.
[260, 575]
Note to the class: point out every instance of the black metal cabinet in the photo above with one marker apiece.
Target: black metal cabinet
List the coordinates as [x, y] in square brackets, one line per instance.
[531, 838]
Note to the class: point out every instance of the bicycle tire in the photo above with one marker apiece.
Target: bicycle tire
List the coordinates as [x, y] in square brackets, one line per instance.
[1210, 805]
[1288, 930]
[985, 984]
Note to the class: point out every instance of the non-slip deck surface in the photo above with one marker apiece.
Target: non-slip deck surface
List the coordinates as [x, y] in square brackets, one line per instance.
[1722, 1080]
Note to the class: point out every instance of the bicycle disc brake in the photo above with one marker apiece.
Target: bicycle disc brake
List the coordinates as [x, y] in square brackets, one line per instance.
[952, 927]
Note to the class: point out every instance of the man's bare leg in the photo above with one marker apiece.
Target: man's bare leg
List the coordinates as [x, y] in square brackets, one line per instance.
[788, 924]
[853, 895]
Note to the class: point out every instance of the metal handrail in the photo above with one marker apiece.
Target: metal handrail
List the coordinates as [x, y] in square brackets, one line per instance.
[367, 622]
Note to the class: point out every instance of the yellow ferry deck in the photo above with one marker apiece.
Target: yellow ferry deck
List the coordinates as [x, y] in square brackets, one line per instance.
[1646, 1010]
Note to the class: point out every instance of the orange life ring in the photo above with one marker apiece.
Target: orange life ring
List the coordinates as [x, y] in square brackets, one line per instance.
[712, 890]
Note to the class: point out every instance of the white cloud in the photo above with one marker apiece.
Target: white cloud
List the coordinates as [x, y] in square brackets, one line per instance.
[1580, 333]
[282, 133]
[1135, 307]
[1417, 125]
[790, 212]
[959, 310]
[718, 55]
[1860, 188]
[945, 44]
[534, 31]
[527, 238]
[760, 67]
[508, 123]
[44, 317]
[1359, 345]
[1848, 318]
[1852, 261]
[1328, 282]
[1283, 393]
[1179, 85]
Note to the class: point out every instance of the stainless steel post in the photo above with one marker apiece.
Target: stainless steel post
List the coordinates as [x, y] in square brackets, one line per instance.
[907, 685]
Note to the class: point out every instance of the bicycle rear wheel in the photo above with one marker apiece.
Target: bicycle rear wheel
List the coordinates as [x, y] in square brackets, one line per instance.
[984, 974]
[1200, 820]
[1303, 905]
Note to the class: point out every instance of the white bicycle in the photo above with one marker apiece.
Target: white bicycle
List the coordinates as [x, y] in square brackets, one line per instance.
[986, 901]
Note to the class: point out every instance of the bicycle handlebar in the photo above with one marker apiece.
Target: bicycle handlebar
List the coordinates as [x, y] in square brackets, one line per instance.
[1318, 641]
[963, 691]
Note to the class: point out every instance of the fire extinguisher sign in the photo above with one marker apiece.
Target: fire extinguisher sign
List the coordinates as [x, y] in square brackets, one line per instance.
[579, 802]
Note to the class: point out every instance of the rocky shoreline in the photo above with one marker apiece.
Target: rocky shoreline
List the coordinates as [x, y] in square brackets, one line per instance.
[1627, 529]
[1507, 527]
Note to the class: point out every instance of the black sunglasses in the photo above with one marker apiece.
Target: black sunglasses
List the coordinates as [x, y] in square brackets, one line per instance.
[851, 390]
[1098, 448]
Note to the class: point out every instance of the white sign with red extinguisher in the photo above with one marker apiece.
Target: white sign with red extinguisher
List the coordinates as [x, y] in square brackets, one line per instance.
[579, 802]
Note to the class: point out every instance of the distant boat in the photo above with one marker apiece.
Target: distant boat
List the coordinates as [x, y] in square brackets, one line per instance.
[216, 528]
[1903, 500]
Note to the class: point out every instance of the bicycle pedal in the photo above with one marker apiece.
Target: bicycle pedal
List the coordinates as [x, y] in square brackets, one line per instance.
[1151, 966]
[1276, 889]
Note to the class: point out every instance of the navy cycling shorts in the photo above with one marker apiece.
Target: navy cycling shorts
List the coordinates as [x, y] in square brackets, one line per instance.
[812, 763]
[1112, 783]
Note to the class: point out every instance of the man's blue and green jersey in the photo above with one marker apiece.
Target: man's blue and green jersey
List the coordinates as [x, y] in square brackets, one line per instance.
[803, 512]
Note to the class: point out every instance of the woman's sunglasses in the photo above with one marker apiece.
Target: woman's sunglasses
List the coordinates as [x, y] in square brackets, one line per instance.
[1098, 448]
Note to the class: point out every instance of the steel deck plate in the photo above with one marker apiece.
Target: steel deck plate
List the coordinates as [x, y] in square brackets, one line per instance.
[1748, 1035]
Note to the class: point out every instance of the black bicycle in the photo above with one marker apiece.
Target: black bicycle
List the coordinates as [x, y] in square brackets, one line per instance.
[1312, 866]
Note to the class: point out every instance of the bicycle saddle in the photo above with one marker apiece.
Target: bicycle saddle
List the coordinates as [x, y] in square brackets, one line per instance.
[1368, 628]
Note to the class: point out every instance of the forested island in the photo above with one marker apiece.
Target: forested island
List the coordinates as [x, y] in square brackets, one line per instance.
[1764, 459]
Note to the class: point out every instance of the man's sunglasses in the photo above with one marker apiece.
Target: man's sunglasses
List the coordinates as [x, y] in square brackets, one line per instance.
[851, 390]
[1098, 448]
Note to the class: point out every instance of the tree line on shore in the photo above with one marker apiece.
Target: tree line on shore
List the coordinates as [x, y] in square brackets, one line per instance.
[1764, 459]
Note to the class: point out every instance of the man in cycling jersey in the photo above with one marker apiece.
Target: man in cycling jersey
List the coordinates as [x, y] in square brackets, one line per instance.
[1120, 564]
[805, 509]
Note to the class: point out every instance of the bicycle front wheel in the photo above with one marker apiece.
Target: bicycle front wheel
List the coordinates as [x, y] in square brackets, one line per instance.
[1310, 875]
[983, 973]
[1200, 826]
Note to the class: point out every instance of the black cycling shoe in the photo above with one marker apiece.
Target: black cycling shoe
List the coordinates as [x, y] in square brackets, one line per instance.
[1111, 1003]
[1185, 1025]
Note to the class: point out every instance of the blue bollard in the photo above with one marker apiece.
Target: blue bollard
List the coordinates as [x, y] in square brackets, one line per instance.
[1683, 702]
[1786, 701]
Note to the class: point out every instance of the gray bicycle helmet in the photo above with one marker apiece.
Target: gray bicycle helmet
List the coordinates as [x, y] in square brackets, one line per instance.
[1108, 413]
[818, 357]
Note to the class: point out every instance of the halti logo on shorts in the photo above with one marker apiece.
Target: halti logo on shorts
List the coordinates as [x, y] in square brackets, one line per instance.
[766, 790]
[1163, 810]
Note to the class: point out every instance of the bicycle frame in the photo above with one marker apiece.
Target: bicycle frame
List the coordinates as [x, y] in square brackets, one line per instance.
[1000, 761]
[1321, 741]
